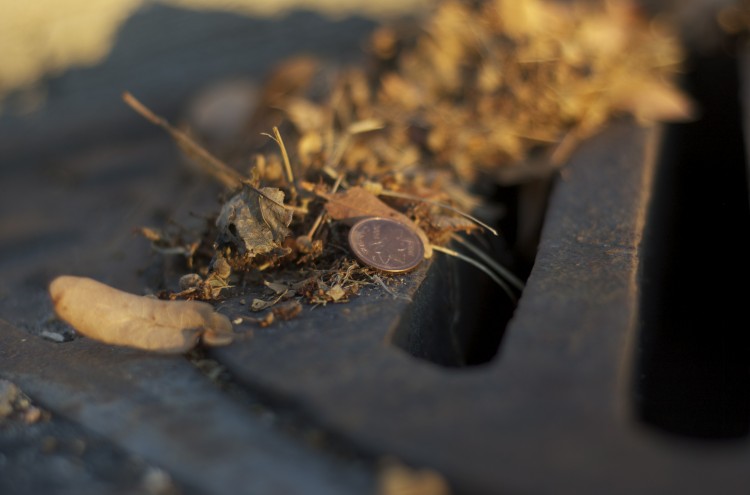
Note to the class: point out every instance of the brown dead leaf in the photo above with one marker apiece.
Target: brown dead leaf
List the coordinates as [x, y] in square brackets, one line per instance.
[254, 223]
[109, 315]
[356, 203]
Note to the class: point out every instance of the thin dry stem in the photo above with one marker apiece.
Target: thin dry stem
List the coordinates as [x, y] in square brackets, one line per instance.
[500, 269]
[477, 264]
[296, 209]
[322, 214]
[229, 177]
[287, 164]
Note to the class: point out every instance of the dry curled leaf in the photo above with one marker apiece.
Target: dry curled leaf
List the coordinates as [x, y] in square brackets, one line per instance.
[112, 316]
[253, 222]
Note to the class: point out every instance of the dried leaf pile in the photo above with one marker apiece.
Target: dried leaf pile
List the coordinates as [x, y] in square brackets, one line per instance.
[478, 90]
[487, 84]
[496, 91]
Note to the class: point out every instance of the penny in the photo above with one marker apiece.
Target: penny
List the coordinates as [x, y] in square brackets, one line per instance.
[386, 244]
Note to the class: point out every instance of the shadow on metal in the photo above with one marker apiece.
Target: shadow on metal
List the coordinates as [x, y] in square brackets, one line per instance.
[693, 372]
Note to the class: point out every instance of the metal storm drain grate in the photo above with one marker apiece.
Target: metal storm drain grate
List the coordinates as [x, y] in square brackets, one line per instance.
[624, 368]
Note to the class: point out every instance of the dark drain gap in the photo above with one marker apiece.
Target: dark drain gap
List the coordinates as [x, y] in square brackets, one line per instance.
[693, 368]
[459, 315]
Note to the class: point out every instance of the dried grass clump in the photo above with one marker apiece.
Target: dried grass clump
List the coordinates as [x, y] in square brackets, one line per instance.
[492, 81]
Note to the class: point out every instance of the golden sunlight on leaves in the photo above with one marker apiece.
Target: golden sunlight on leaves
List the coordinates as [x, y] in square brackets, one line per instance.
[441, 111]
[493, 82]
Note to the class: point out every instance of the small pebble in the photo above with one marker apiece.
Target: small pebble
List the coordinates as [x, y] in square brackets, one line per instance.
[53, 336]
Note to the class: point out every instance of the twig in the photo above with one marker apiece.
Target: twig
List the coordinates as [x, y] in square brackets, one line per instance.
[229, 177]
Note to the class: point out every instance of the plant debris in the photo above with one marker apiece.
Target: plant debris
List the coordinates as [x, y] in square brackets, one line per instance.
[254, 222]
[485, 92]
[487, 86]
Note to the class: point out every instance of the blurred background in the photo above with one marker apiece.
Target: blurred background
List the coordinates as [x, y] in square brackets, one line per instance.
[65, 64]
[79, 169]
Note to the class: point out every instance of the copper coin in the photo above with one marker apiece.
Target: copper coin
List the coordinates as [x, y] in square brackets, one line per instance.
[386, 244]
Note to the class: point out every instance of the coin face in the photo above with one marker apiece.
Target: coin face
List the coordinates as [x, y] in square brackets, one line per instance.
[386, 244]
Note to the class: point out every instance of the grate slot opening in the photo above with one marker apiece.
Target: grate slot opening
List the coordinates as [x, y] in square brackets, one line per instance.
[459, 315]
[693, 363]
